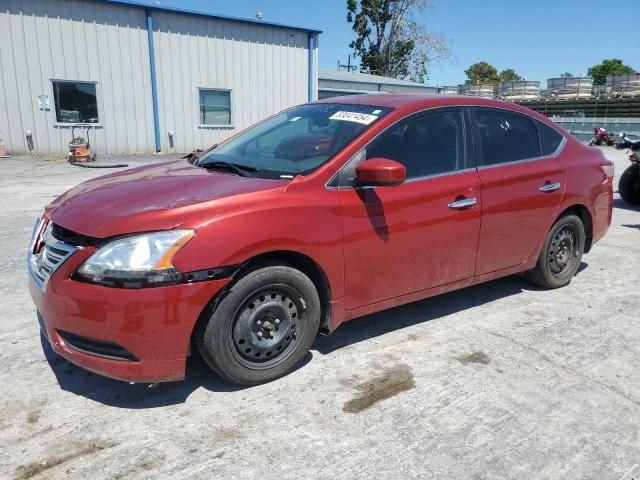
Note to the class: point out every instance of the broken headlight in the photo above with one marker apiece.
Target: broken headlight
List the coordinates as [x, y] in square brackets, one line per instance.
[136, 261]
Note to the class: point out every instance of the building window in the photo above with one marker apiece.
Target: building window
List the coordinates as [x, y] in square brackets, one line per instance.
[215, 107]
[75, 102]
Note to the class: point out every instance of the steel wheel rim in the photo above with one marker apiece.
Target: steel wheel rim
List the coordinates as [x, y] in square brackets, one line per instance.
[267, 327]
[563, 250]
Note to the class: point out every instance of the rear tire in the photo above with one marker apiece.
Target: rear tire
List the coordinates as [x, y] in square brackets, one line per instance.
[629, 185]
[263, 327]
[561, 254]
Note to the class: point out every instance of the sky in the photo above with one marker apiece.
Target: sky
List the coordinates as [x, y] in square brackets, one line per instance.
[539, 40]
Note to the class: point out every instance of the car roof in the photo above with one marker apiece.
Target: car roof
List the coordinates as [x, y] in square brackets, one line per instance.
[409, 103]
[417, 101]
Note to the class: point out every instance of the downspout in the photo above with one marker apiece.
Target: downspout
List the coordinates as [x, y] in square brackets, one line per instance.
[311, 65]
[154, 85]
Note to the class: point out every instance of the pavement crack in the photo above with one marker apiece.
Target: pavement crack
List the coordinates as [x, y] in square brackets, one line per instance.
[562, 367]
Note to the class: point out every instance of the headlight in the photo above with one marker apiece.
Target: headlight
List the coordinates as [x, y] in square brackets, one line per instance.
[136, 261]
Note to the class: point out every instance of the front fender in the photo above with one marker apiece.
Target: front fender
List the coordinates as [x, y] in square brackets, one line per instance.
[314, 231]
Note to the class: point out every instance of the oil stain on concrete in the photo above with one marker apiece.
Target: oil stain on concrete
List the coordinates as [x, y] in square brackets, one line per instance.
[389, 382]
[24, 472]
[33, 416]
[143, 466]
[475, 357]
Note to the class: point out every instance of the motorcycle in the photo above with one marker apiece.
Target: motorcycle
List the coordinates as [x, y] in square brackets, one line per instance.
[629, 184]
[602, 137]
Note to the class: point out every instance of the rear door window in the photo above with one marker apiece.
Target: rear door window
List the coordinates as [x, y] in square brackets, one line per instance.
[506, 137]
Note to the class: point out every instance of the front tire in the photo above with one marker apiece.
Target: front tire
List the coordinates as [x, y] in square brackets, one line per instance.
[263, 327]
[561, 254]
[629, 185]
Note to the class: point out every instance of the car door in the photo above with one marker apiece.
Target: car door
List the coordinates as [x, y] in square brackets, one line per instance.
[521, 188]
[422, 233]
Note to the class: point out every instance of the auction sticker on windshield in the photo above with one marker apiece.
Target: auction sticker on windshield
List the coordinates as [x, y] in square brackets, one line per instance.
[363, 118]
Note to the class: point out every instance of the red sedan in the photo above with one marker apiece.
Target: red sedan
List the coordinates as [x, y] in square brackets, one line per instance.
[322, 213]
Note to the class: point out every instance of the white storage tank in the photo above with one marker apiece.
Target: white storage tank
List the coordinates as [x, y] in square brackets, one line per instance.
[480, 90]
[570, 87]
[627, 84]
[519, 90]
[449, 90]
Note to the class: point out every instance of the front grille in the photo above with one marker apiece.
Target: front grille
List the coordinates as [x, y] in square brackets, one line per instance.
[73, 238]
[97, 348]
[46, 254]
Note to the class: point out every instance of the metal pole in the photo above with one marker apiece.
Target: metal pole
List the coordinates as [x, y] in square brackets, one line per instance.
[154, 86]
[311, 64]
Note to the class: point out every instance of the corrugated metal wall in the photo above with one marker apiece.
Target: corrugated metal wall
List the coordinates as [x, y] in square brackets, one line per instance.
[377, 87]
[43, 40]
[266, 69]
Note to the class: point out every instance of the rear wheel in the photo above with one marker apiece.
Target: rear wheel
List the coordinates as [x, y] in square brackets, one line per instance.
[263, 327]
[629, 185]
[561, 254]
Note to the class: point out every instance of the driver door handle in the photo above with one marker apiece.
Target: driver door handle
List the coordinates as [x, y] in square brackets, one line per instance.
[549, 187]
[463, 203]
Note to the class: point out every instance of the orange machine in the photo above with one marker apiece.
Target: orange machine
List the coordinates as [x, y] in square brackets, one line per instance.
[79, 147]
[3, 149]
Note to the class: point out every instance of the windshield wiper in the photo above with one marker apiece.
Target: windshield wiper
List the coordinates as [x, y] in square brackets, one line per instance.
[241, 170]
[194, 156]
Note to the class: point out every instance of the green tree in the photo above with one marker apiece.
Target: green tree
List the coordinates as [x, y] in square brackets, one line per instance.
[566, 75]
[389, 41]
[509, 74]
[613, 66]
[482, 73]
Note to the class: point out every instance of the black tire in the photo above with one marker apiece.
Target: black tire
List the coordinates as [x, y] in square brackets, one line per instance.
[629, 185]
[262, 327]
[561, 254]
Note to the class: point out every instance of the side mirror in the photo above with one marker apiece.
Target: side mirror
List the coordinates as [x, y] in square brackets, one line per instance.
[380, 172]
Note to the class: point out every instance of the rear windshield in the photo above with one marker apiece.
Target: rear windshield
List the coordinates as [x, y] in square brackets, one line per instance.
[296, 141]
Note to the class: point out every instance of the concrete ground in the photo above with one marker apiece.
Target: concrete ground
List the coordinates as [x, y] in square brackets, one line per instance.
[501, 380]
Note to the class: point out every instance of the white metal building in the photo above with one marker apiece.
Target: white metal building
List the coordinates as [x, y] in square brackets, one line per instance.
[146, 77]
[334, 84]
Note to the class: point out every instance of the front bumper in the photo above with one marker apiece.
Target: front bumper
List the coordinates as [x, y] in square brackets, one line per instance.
[153, 324]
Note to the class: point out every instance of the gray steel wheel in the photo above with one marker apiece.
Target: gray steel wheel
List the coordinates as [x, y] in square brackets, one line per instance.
[264, 330]
[262, 326]
[561, 253]
[562, 250]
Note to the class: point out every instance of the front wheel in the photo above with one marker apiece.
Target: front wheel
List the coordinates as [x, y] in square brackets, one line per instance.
[561, 254]
[629, 185]
[263, 327]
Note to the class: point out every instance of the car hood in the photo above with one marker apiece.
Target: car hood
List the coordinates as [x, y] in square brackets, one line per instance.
[152, 197]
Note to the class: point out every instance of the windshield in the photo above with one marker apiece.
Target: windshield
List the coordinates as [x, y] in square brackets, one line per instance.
[296, 141]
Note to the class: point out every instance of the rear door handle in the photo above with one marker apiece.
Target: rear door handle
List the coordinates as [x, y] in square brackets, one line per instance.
[463, 203]
[550, 187]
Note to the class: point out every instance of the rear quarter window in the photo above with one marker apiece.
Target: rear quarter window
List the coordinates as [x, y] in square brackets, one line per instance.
[550, 140]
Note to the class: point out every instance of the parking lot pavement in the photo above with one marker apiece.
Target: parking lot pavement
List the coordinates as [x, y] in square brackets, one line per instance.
[501, 380]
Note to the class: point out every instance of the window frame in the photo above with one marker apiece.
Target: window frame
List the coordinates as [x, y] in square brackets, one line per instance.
[99, 108]
[343, 180]
[478, 155]
[563, 139]
[229, 125]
